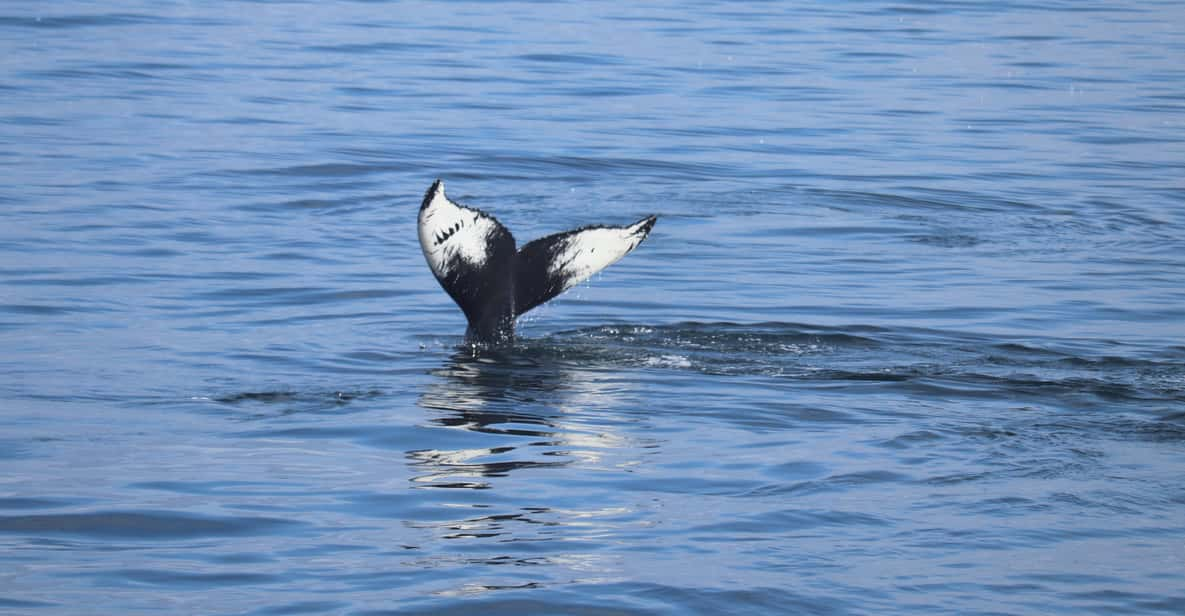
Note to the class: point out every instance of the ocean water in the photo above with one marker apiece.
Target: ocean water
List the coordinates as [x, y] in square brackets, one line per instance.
[908, 337]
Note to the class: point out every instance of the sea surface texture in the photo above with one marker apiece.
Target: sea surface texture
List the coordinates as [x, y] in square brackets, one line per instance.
[908, 337]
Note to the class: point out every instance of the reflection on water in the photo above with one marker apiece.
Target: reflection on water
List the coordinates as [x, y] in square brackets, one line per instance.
[535, 414]
[534, 406]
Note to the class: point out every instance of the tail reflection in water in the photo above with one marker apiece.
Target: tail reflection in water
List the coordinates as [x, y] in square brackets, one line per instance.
[532, 410]
[523, 430]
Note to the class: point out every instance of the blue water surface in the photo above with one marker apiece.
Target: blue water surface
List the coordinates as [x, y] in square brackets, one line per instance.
[908, 337]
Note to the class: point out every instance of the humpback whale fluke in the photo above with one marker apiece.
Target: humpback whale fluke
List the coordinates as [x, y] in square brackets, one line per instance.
[474, 258]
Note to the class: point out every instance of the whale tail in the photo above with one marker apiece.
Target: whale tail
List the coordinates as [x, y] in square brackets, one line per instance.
[474, 258]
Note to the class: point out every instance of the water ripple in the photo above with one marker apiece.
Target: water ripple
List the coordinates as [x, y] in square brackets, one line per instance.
[906, 337]
[141, 525]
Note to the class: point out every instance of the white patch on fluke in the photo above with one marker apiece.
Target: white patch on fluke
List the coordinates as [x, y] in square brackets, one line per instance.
[448, 230]
[476, 261]
[589, 251]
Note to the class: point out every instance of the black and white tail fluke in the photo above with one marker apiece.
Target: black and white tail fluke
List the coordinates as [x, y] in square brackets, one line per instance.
[551, 265]
[474, 258]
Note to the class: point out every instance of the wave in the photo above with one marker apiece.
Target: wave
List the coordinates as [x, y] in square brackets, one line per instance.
[794, 372]
[950, 363]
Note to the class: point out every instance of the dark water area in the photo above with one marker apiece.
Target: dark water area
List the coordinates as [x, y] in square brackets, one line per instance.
[908, 337]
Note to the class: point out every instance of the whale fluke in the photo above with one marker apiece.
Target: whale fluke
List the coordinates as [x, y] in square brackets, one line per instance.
[474, 258]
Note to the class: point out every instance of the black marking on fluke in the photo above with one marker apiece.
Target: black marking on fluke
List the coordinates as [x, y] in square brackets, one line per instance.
[447, 233]
[475, 259]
